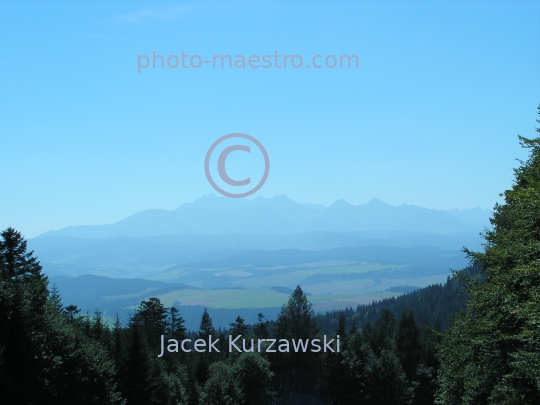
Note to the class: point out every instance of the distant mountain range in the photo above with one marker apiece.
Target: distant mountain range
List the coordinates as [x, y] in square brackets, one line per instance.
[344, 254]
[211, 215]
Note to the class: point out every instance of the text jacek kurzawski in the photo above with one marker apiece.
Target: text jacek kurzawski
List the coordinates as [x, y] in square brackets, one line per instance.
[252, 345]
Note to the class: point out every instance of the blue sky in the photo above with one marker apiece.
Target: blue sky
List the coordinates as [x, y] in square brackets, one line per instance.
[430, 117]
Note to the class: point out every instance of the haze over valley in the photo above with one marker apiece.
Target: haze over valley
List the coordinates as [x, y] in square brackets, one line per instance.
[247, 255]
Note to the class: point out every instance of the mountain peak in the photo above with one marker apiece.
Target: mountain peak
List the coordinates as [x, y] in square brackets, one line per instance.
[216, 215]
[376, 202]
[340, 203]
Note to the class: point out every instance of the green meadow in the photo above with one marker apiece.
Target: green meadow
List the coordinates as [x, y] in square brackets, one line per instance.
[228, 299]
[256, 298]
[331, 285]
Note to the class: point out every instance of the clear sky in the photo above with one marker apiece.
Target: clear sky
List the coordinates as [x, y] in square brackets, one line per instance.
[430, 117]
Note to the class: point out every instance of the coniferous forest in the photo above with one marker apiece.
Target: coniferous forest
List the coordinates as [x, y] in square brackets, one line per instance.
[473, 340]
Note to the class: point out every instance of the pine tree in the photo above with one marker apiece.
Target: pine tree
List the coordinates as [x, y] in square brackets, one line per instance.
[342, 326]
[176, 325]
[138, 383]
[23, 297]
[385, 380]
[346, 378]
[43, 357]
[491, 353]
[118, 343]
[201, 369]
[354, 327]
[296, 370]
[238, 327]
[71, 312]
[98, 328]
[382, 336]
[153, 320]
[296, 318]
[55, 298]
[408, 343]
[206, 328]
[261, 328]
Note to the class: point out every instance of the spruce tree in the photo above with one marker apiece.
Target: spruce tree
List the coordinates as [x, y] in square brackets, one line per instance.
[341, 330]
[44, 358]
[382, 336]
[23, 298]
[238, 327]
[296, 371]
[408, 343]
[137, 379]
[206, 327]
[491, 353]
[153, 319]
[177, 329]
[261, 328]
[71, 312]
[296, 319]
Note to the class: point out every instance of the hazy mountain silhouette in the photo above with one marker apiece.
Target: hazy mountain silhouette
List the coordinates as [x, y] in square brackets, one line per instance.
[211, 215]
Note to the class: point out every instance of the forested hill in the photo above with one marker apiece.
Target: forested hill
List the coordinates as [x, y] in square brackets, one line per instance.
[433, 305]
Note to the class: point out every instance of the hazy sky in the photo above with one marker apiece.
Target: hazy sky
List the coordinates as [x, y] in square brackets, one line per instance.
[430, 117]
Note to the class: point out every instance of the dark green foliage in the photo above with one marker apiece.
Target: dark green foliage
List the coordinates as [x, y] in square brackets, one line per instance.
[137, 381]
[424, 386]
[118, 344]
[346, 374]
[71, 312]
[43, 357]
[408, 346]
[491, 353]
[387, 383]
[238, 327]
[97, 327]
[359, 372]
[431, 304]
[68, 356]
[342, 326]
[296, 373]
[514, 238]
[254, 377]
[206, 329]
[261, 329]
[201, 369]
[152, 317]
[176, 325]
[55, 300]
[382, 336]
[354, 327]
[221, 387]
[296, 319]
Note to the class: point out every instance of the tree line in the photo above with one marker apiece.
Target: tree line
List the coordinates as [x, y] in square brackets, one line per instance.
[50, 353]
[400, 351]
[433, 306]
